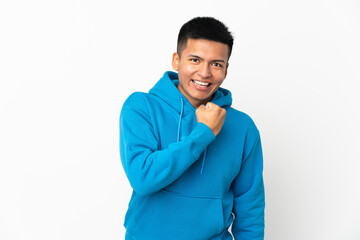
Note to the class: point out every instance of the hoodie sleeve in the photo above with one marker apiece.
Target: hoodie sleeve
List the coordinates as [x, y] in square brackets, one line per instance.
[148, 168]
[249, 199]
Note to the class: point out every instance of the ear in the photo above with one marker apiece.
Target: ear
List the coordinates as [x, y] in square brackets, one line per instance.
[226, 68]
[175, 61]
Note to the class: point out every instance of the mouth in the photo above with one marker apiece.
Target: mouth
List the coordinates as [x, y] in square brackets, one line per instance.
[201, 85]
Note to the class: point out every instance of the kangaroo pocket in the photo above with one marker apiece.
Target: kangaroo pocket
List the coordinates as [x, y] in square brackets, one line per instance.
[170, 215]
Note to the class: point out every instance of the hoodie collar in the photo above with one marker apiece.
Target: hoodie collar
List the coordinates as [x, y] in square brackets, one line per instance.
[166, 89]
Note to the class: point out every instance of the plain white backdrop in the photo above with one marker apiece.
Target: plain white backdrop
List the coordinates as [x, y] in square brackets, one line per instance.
[67, 66]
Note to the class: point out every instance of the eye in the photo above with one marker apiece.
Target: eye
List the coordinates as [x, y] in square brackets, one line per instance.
[217, 64]
[195, 60]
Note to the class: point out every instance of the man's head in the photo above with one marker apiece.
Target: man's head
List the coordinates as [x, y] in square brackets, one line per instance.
[204, 28]
[203, 51]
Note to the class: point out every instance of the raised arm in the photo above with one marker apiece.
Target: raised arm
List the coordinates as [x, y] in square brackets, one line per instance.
[148, 168]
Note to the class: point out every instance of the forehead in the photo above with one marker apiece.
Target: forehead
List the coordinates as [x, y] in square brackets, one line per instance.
[206, 49]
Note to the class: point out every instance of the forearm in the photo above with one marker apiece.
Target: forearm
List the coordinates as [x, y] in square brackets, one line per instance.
[249, 201]
[150, 170]
[249, 215]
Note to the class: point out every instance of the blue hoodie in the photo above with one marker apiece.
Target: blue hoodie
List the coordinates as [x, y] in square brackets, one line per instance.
[187, 183]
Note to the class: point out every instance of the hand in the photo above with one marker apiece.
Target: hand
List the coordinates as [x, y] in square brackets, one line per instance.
[212, 116]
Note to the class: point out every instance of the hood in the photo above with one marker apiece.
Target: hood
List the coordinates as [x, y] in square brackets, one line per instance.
[166, 89]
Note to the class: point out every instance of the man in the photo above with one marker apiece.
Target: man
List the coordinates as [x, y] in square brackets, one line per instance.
[193, 161]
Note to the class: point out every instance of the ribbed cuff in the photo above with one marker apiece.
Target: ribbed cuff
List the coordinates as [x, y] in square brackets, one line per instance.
[202, 136]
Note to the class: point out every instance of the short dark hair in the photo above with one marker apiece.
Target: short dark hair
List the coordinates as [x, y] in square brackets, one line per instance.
[207, 28]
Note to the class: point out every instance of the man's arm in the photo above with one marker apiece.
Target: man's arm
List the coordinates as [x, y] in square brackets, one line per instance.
[249, 201]
[148, 168]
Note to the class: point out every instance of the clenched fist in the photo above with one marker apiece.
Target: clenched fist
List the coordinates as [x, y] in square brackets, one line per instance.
[212, 116]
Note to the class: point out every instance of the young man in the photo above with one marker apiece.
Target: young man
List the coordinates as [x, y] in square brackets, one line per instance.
[194, 162]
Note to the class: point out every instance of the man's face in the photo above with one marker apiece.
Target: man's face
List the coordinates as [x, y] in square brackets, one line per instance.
[202, 67]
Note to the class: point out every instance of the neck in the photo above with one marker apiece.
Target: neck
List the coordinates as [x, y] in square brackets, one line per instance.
[194, 102]
[197, 104]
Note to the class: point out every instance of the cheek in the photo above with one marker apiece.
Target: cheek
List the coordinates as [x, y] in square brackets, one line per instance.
[188, 69]
[219, 77]
[218, 83]
[185, 73]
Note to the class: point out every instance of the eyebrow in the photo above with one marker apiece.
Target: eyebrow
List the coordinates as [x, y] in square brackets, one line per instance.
[215, 60]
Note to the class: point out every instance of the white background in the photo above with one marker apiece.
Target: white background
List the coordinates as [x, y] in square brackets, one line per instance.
[67, 66]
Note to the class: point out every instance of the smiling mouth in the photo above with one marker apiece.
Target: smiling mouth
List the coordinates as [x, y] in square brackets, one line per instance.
[201, 84]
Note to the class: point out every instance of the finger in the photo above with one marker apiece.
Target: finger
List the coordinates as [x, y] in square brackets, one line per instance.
[201, 107]
[213, 105]
[210, 104]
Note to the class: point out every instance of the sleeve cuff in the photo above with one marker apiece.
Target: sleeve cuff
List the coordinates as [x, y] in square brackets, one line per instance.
[202, 136]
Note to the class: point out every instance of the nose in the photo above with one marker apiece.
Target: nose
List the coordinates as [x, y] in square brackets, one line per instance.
[204, 71]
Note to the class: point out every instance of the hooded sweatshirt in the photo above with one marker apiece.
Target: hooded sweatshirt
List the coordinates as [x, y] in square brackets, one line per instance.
[187, 183]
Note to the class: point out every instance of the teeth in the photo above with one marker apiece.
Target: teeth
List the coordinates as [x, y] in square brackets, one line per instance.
[201, 83]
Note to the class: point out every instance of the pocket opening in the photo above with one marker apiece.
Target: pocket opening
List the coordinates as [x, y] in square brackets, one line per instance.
[186, 217]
